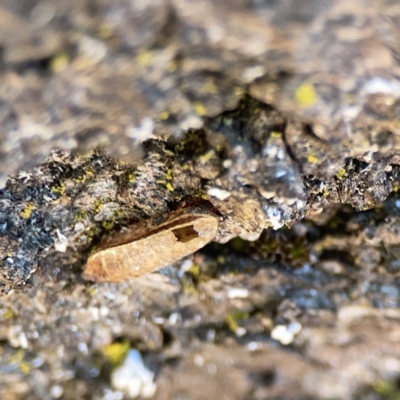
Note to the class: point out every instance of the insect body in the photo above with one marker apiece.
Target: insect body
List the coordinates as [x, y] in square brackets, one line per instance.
[144, 248]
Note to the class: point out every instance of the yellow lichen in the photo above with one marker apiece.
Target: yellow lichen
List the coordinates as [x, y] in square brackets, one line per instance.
[188, 286]
[305, 95]
[27, 211]
[144, 58]
[17, 357]
[341, 174]
[80, 179]
[239, 91]
[98, 205]
[194, 270]
[131, 178]
[172, 66]
[207, 156]
[92, 290]
[58, 189]
[59, 62]
[210, 86]
[24, 367]
[105, 31]
[8, 314]
[116, 352]
[276, 135]
[118, 214]
[108, 225]
[80, 215]
[168, 174]
[199, 108]
[312, 158]
[164, 115]
[201, 195]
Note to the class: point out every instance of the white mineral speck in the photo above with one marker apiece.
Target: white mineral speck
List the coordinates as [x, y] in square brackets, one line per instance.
[240, 331]
[56, 391]
[185, 266]
[285, 333]
[92, 48]
[252, 73]
[142, 132]
[384, 86]
[158, 320]
[220, 194]
[174, 318]
[253, 346]
[211, 335]
[133, 378]
[61, 243]
[237, 293]
[82, 347]
[23, 341]
[198, 360]
[112, 395]
[250, 236]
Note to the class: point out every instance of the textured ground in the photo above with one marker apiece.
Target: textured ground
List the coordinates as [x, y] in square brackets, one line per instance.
[278, 114]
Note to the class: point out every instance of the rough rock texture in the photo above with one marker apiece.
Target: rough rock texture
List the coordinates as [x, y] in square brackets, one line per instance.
[269, 114]
[239, 167]
[82, 73]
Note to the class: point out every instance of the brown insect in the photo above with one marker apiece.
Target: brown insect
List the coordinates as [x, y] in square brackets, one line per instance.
[146, 247]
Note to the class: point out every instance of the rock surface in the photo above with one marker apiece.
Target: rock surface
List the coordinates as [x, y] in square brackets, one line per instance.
[268, 114]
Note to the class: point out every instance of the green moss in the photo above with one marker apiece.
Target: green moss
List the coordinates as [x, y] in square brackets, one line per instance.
[388, 390]
[298, 251]
[188, 285]
[234, 318]
[239, 244]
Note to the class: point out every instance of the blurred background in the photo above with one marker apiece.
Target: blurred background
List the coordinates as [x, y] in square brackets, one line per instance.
[78, 74]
